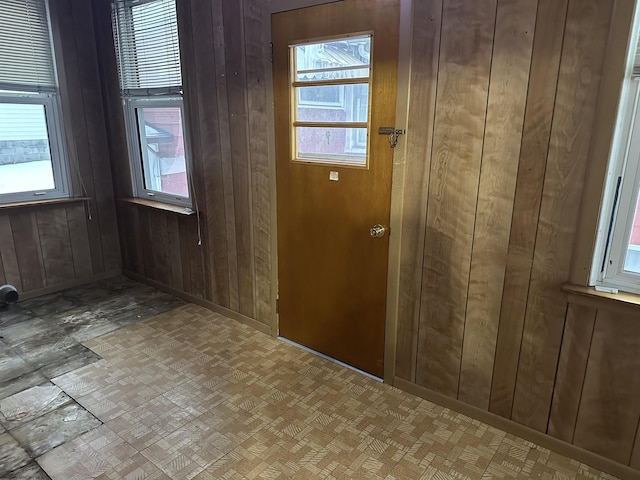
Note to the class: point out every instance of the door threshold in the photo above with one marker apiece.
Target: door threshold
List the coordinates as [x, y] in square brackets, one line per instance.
[331, 359]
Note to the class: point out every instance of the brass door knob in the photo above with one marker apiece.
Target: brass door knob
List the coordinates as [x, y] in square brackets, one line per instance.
[377, 231]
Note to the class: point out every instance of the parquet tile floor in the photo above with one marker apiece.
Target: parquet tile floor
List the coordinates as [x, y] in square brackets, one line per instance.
[191, 394]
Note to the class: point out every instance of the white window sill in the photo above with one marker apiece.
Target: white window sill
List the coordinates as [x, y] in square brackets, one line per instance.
[167, 207]
[42, 203]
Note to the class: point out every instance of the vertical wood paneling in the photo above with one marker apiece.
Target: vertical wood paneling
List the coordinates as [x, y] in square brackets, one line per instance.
[210, 164]
[96, 133]
[28, 252]
[79, 235]
[184, 253]
[580, 70]
[175, 251]
[576, 344]
[160, 246]
[77, 134]
[233, 15]
[11, 269]
[635, 455]
[225, 152]
[55, 244]
[463, 81]
[512, 47]
[545, 64]
[256, 52]
[424, 79]
[609, 411]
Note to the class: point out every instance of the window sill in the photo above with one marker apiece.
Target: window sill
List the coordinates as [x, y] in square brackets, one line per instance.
[42, 203]
[589, 297]
[167, 207]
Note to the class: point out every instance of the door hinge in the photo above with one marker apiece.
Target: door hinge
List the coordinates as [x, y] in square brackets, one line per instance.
[278, 305]
[271, 54]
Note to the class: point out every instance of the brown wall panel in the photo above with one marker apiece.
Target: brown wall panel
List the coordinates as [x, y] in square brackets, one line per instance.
[543, 80]
[11, 269]
[26, 240]
[513, 39]
[461, 103]
[424, 76]
[610, 408]
[576, 345]
[578, 86]
[55, 243]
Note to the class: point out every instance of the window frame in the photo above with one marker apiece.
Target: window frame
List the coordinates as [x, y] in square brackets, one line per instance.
[134, 144]
[134, 97]
[621, 187]
[57, 148]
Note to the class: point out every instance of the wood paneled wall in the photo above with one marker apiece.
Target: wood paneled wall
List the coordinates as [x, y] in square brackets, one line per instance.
[224, 59]
[50, 247]
[503, 99]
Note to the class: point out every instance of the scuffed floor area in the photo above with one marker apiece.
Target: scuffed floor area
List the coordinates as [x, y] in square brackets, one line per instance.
[41, 339]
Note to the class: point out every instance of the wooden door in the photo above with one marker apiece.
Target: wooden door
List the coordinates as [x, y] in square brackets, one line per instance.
[334, 72]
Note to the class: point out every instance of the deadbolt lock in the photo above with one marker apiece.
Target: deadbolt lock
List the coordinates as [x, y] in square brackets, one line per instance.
[377, 231]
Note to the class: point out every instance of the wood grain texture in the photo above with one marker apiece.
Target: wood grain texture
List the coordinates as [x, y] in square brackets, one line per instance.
[543, 80]
[576, 345]
[463, 82]
[55, 244]
[224, 136]
[609, 410]
[11, 269]
[96, 133]
[201, 69]
[79, 236]
[513, 40]
[24, 228]
[233, 15]
[578, 85]
[635, 455]
[256, 54]
[160, 246]
[424, 77]
[175, 251]
[77, 134]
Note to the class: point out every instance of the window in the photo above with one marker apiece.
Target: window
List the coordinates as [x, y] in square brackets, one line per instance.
[617, 262]
[148, 54]
[331, 80]
[31, 145]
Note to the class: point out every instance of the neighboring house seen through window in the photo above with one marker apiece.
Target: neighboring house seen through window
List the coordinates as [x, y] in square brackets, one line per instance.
[148, 54]
[31, 141]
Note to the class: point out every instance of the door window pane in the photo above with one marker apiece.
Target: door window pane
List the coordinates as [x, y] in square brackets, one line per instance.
[632, 261]
[333, 103]
[337, 59]
[162, 148]
[25, 155]
[332, 145]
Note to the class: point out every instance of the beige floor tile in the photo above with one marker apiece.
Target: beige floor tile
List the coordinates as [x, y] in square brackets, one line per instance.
[192, 394]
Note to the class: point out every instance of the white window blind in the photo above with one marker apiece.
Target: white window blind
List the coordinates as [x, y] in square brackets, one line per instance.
[636, 62]
[26, 55]
[147, 47]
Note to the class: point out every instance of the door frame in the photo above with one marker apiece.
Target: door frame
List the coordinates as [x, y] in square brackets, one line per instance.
[398, 170]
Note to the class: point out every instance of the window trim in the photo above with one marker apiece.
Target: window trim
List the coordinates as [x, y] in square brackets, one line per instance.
[57, 146]
[621, 184]
[134, 144]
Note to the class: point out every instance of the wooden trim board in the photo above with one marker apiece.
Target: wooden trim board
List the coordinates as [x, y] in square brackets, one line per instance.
[65, 285]
[200, 301]
[542, 439]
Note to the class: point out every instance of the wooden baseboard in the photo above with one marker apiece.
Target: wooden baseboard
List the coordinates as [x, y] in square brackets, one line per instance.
[589, 458]
[261, 327]
[65, 285]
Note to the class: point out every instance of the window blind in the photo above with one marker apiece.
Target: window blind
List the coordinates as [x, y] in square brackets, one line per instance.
[147, 49]
[636, 62]
[26, 55]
